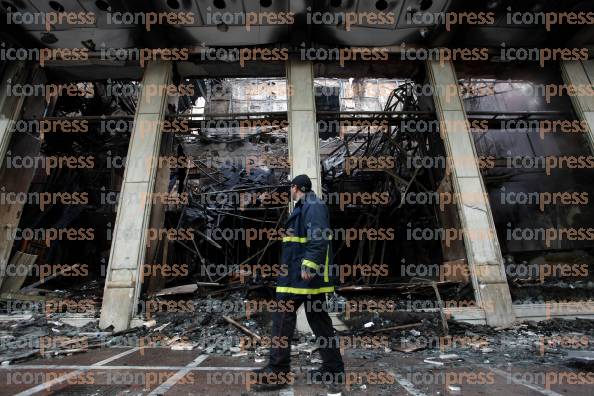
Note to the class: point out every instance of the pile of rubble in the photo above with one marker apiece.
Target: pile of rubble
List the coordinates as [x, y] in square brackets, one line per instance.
[217, 327]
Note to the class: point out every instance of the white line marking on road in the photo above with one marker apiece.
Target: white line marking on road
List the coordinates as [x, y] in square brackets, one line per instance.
[406, 384]
[116, 357]
[517, 381]
[162, 368]
[287, 392]
[47, 385]
[56, 381]
[165, 386]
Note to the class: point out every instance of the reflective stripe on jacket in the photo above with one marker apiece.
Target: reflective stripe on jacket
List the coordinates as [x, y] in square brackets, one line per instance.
[308, 248]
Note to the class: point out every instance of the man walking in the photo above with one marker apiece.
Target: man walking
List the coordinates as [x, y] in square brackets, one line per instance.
[307, 255]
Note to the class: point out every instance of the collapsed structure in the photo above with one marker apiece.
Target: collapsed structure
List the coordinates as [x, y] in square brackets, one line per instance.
[139, 184]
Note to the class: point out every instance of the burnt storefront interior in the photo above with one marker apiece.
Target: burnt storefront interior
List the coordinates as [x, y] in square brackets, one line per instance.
[158, 212]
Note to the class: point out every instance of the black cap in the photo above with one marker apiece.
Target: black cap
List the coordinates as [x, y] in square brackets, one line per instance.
[303, 182]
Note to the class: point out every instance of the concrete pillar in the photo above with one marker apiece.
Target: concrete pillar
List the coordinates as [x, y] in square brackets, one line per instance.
[129, 244]
[304, 150]
[581, 75]
[14, 180]
[483, 253]
[304, 145]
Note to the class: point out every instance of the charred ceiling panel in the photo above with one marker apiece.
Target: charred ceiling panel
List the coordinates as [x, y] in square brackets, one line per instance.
[506, 29]
[227, 22]
[324, 22]
[93, 31]
[375, 23]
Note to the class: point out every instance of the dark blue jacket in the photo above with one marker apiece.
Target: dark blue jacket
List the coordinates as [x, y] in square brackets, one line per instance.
[307, 246]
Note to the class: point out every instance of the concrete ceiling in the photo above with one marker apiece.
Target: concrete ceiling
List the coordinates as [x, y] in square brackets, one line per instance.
[207, 31]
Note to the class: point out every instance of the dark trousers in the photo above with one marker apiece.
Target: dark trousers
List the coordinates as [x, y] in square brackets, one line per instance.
[283, 327]
[180, 175]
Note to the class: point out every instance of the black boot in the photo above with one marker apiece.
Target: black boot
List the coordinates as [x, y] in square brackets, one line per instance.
[268, 379]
